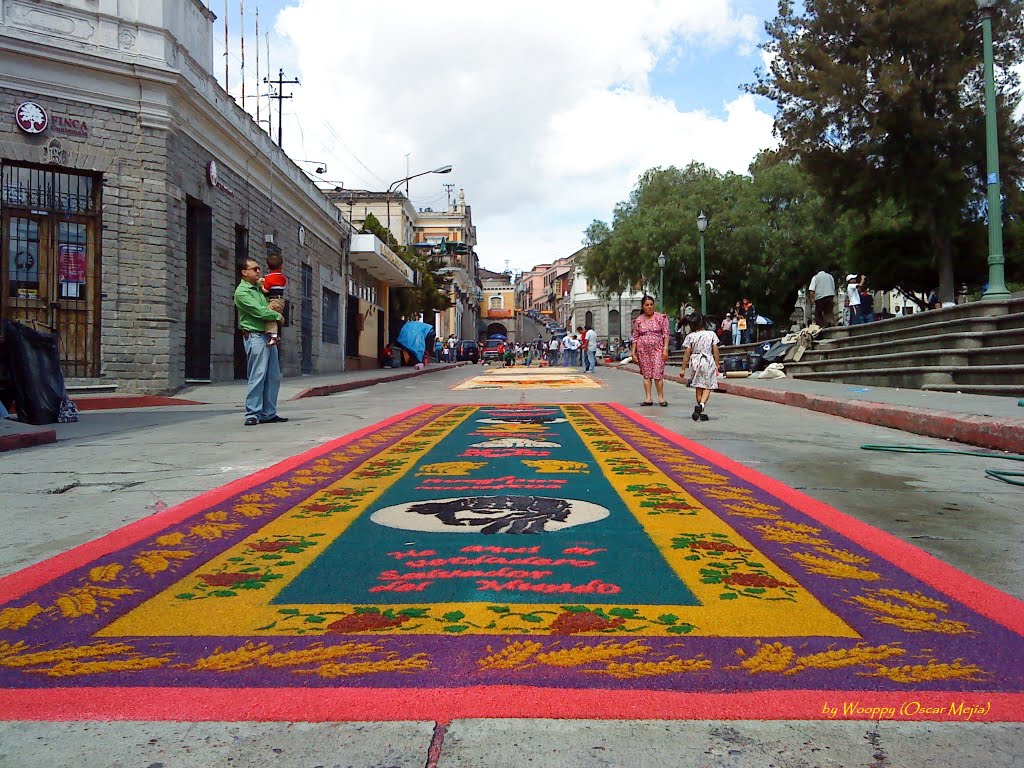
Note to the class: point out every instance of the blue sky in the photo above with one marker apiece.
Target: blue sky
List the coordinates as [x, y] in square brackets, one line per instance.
[548, 124]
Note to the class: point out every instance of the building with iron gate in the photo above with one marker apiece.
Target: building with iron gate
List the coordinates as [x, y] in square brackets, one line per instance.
[131, 183]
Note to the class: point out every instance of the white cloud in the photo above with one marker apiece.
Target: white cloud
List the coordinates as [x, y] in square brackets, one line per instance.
[544, 109]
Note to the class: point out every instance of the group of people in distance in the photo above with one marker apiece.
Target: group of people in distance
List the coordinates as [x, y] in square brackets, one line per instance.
[701, 361]
[821, 295]
[739, 326]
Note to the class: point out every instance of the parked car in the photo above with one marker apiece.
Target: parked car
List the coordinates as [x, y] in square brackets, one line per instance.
[468, 349]
[490, 351]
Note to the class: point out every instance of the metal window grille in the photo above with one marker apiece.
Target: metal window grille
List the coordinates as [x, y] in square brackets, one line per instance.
[331, 318]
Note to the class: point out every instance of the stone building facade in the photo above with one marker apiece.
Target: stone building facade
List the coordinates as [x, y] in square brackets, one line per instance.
[610, 316]
[132, 183]
[498, 308]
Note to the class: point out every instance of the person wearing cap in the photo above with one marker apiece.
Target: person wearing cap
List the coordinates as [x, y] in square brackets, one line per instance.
[822, 295]
[853, 284]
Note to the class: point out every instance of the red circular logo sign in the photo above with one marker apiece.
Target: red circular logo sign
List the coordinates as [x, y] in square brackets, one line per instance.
[31, 117]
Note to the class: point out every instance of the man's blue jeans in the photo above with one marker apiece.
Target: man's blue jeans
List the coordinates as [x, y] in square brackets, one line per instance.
[590, 361]
[264, 373]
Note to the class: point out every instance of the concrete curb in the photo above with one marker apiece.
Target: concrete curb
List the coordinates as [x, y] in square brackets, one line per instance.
[1005, 435]
[984, 432]
[344, 386]
[14, 435]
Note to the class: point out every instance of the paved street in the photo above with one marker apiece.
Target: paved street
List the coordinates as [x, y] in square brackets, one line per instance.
[115, 467]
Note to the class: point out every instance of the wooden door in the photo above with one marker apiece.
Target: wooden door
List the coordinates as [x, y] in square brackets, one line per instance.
[49, 283]
[50, 259]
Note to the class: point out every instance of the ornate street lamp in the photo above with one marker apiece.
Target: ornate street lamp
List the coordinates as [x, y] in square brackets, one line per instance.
[702, 224]
[996, 279]
[395, 185]
[661, 281]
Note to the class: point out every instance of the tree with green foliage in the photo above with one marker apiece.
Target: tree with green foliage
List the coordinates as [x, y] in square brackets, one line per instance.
[432, 293]
[767, 233]
[883, 104]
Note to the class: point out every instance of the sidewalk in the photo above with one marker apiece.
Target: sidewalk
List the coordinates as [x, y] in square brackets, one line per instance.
[981, 420]
[14, 434]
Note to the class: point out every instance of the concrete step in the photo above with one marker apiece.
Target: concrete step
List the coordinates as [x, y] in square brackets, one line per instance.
[932, 320]
[898, 330]
[921, 376]
[965, 340]
[76, 386]
[1001, 390]
[852, 359]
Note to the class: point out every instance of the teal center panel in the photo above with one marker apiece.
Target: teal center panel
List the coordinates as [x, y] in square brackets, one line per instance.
[501, 531]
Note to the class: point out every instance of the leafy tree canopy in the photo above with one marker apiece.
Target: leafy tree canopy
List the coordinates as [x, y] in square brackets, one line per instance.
[767, 233]
[883, 103]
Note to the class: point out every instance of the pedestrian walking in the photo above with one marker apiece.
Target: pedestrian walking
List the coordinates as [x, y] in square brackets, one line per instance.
[853, 283]
[701, 360]
[263, 365]
[650, 349]
[821, 294]
[739, 324]
[450, 345]
[590, 344]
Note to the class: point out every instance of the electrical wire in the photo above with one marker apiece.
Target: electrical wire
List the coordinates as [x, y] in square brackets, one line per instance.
[341, 141]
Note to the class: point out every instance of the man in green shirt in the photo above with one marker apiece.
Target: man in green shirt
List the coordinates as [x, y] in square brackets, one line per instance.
[263, 364]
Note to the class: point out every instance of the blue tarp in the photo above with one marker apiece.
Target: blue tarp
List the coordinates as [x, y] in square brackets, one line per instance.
[413, 338]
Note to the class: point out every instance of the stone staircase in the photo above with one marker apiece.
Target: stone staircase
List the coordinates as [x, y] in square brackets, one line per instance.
[975, 348]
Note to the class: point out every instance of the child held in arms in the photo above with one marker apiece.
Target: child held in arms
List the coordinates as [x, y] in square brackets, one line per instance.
[273, 286]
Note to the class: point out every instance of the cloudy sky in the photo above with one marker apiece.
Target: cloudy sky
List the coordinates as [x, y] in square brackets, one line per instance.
[548, 111]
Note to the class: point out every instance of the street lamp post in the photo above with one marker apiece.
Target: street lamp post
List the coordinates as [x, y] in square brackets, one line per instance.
[996, 278]
[702, 224]
[661, 281]
[396, 184]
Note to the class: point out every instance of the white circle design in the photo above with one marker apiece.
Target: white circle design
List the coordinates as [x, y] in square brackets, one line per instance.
[490, 514]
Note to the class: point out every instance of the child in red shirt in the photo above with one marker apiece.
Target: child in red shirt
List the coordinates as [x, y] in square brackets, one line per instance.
[273, 286]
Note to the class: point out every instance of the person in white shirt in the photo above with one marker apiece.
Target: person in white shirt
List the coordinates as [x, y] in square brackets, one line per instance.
[853, 283]
[571, 345]
[590, 344]
[821, 294]
[553, 352]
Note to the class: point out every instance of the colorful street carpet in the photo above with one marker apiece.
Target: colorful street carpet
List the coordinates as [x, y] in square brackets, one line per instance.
[571, 561]
[519, 377]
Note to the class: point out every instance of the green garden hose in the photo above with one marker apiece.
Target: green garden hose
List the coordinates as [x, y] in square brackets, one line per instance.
[1003, 475]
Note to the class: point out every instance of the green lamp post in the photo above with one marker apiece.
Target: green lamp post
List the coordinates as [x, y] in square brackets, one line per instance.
[702, 224]
[661, 281]
[996, 279]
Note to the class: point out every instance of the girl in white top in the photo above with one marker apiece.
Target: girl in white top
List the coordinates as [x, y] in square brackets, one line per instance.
[701, 346]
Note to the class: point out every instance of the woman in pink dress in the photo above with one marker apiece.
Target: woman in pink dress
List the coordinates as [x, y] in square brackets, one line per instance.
[650, 349]
[701, 347]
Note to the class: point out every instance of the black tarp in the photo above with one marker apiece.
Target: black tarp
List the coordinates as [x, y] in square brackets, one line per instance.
[33, 363]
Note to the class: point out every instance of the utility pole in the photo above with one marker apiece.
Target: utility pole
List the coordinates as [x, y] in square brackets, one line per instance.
[281, 82]
[448, 188]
